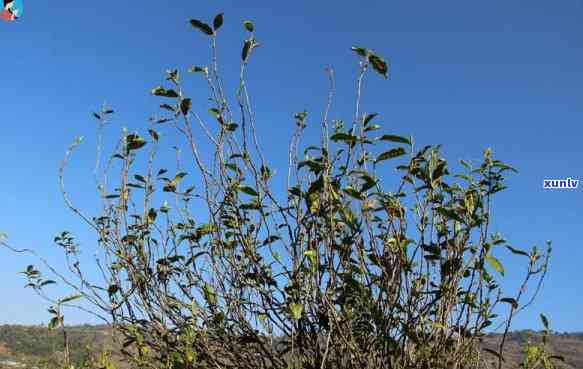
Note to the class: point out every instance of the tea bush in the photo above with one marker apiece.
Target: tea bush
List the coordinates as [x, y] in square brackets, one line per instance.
[213, 265]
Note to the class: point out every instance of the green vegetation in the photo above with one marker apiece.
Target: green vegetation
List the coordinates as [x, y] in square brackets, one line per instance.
[211, 263]
[39, 346]
[29, 345]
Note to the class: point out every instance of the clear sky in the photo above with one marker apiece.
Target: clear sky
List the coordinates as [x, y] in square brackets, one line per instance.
[505, 74]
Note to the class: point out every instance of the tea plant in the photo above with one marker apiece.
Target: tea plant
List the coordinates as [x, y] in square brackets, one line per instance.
[212, 264]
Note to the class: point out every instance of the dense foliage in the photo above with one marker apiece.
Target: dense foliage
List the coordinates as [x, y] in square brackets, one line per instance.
[99, 339]
[212, 264]
[37, 345]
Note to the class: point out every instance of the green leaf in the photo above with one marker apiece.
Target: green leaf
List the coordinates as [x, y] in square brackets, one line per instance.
[154, 134]
[394, 138]
[152, 215]
[163, 120]
[368, 118]
[158, 91]
[129, 239]
[295, 191]
[231, 127]
[503, 167]
[165, 208]
[134, 142]
[344, 137]
[197, 69]
[112, 289]
[54, 323]
[185, 106]
[349, 190]
[314, 165]
[440, 170]
[246, 49]
[545, 321]
[249, 26]
[495, 263]
[466, 164]
[270, 240]
[313, 195]
[215, 112]
[374, 127]
[140, 178]
[248, 190]
[171, 186]
[179, 176]
[47, 282]
[205, 229]
[296, 311]
[311, 254]
[173, 75]
[511, 301]
[362, 51]
[379, 65]
[517, 251]
[203, 27]
[70, 298]
[393, 153]
[369, 182]
[161, 91]
[210, 294]
[218, 21]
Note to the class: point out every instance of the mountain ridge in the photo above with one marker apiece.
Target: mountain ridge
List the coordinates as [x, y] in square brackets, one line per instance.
[29, 345]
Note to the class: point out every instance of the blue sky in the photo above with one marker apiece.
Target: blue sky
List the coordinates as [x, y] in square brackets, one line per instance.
[469, 75]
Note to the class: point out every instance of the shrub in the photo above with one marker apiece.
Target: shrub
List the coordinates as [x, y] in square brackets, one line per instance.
[339, 269]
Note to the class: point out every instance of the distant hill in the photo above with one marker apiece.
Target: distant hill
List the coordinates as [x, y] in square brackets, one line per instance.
[31, 345]
[34, 345]
[567, 345]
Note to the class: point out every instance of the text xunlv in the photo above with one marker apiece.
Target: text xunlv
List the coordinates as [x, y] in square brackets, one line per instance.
[561, 183]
